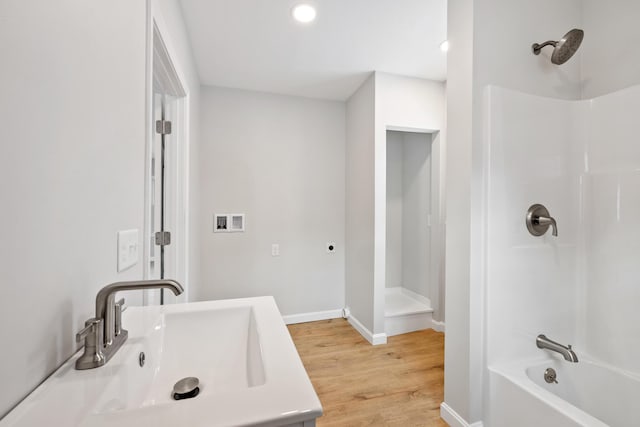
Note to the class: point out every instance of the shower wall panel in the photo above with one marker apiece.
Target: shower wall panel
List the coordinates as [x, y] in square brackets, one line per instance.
[581, 159]
[531, 282]
[612, 229]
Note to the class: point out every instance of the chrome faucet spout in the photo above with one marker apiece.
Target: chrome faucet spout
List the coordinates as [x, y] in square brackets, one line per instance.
[105, 300]
[545, 343]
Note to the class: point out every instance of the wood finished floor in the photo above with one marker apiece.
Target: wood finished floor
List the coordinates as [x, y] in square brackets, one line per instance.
[397, 384]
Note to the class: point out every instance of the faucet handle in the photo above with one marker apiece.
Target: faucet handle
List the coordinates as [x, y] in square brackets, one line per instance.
[119, 308]
[90, 327]
[545, 221]
[538, 221]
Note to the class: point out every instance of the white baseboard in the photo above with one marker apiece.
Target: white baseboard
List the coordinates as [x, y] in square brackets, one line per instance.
[453, 418]
[374, 339]
[437, 326]
[312, 317]
[407, 323]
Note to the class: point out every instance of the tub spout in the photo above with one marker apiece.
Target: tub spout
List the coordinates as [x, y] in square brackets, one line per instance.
[569, 355]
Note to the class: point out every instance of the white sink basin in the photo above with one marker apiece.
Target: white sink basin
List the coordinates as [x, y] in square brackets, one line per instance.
[248, 367]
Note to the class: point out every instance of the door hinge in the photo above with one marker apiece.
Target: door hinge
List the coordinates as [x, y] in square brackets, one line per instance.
[163, 127]
[163, 238]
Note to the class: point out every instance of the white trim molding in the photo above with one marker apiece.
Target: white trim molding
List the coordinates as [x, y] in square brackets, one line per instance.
[454, 419]
[291, 319]
[374, 339]
[437, 326]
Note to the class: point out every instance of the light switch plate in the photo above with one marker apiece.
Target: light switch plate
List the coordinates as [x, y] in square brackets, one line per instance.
[127, 249]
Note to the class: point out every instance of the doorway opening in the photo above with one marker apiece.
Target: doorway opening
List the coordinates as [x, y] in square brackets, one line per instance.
[410, 282]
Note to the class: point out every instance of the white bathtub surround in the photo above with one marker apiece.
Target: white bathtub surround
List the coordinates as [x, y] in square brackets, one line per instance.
[531, 281]
[490, 44]
[581, 160]
[249, 371]
[406, 311]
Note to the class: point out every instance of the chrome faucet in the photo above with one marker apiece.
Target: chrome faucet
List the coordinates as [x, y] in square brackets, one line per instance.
[569, 355]
[103, 335]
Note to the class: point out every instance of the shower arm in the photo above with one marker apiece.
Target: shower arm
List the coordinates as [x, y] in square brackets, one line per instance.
[538, 47]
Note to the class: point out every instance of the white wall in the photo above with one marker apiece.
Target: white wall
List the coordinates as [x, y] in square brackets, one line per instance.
[490, 44]
[458, 201]
[63, 198]
[359, 202]
[416, 232]
[281, 161]
[71, 172]
[504, 31]
[408, 236]
[610, 59]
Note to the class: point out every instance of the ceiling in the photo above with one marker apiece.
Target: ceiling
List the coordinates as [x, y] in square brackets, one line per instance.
[256, 44]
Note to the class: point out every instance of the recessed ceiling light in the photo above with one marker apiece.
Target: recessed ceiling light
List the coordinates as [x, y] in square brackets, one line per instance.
[444, 46]
[304, 13]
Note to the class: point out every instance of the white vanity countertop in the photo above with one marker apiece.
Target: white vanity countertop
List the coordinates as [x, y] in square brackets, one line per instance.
[123, 394]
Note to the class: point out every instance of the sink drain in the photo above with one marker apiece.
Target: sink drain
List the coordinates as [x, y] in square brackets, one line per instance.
[186, 388]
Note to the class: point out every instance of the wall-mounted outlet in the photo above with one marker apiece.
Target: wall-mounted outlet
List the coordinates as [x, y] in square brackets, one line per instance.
[331, 247]
[275, 249]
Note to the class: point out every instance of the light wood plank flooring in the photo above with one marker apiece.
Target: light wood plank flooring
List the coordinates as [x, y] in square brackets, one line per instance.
[397, 384]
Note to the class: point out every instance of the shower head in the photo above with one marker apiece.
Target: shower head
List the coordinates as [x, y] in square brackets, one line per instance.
[563, 49]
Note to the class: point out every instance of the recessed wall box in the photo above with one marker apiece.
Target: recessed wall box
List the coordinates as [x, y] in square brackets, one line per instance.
[237, 222]
[228, 223]
[220, 223]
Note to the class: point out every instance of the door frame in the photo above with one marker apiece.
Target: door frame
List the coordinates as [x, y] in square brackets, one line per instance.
[163, 71]
[437, 228]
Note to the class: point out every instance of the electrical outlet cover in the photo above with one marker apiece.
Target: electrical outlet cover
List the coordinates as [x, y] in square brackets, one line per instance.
[127, 249]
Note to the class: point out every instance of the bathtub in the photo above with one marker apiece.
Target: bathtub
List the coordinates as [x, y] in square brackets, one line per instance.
[587, 394]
